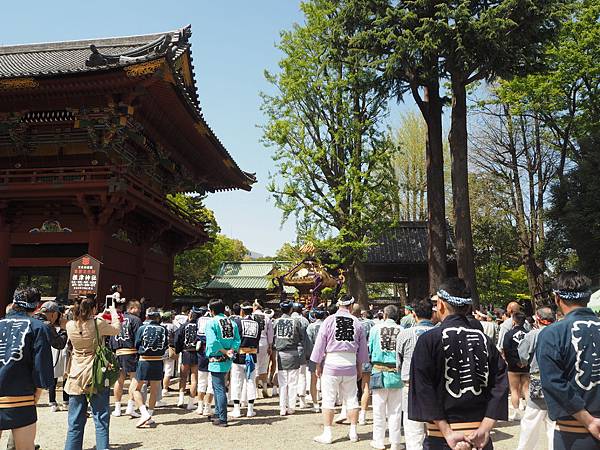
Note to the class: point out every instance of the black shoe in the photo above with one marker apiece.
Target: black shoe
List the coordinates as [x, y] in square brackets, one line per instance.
[218, 423]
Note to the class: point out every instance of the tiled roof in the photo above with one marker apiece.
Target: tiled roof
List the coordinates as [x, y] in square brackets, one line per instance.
[405, 244]
[92, 55]
[247, 275]
[54, 58]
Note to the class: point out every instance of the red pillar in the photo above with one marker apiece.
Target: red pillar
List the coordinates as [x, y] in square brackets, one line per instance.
[140, 272]
[97, 237]
[4, 257]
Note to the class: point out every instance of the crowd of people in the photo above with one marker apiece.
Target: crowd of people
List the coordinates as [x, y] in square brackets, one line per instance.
[440, 374]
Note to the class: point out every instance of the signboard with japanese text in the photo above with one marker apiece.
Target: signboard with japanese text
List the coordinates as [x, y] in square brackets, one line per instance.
[85, 275]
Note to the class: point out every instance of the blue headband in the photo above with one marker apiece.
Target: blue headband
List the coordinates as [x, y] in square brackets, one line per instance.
[456, 301]
[285, 304]
[572, 295]
[26, 298]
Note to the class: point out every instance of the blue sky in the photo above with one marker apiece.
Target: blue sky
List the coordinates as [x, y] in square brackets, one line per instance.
[233, 42]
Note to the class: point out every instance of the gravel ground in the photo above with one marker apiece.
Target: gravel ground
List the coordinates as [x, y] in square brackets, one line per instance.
[179, 429]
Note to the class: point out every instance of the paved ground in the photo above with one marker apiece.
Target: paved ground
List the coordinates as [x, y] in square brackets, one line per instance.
[179, 429]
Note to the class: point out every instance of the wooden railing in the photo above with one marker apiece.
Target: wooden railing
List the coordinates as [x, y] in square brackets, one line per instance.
[108, 174]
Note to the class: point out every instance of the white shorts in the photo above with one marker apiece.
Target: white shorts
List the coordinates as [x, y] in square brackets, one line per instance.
[262, 360]
[169, 367]
[344, 388]
[204, 382]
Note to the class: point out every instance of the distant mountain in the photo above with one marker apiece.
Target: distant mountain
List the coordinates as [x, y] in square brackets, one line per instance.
[254, 255]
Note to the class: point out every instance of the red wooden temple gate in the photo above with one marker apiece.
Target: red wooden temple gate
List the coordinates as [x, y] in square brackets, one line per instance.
[93, 136]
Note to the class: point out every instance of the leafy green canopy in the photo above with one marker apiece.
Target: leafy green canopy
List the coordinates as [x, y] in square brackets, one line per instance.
[194, 267]
[333, 159]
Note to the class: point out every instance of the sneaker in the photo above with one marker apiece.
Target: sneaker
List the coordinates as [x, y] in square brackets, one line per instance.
[323, 439]
[316, 408]
[134, 414]
[116, 413]
[362, 417]
[377, 445]
[353, 437]
[53, 407]
[160, 404]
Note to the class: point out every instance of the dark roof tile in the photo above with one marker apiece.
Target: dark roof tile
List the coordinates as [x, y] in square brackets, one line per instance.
[405, 244]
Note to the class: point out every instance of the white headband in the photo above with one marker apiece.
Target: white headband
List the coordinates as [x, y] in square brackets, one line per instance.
[456, 301]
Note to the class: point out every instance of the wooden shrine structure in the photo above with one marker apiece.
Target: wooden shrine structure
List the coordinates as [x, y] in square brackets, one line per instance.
[94, 135]
[400, 256]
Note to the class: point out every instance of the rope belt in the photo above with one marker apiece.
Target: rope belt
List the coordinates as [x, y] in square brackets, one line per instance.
[383, 367]
[248, 351]
[16, 401]
[434, 431]
[126, 351]
[150, 358]
[571, 426]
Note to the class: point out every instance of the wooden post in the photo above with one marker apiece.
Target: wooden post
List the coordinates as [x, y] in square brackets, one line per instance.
[4, 257]
[97, 237]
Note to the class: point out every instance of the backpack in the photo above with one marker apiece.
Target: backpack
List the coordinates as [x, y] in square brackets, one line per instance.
[105, 370]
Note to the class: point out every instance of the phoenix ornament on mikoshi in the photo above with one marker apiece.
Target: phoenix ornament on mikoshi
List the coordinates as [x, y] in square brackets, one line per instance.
[310, 277]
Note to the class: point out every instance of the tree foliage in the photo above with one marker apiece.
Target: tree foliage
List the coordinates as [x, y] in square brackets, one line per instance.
[194, 267]
[333, 159]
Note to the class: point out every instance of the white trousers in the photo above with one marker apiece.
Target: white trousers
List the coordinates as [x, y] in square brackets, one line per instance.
[239, 381]
[204, 383]
[288, 388]
[387, 407]
[302, 380]
[414, 432]
[534, 424]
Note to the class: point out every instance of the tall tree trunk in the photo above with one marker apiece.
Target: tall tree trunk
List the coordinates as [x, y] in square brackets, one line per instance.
[357, 285]
[436, 209]
[460, 188]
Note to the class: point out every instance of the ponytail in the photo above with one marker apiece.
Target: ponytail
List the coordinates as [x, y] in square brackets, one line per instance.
[83, 309]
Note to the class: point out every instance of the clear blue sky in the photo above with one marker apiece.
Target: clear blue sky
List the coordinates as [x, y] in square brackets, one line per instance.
[233, 42]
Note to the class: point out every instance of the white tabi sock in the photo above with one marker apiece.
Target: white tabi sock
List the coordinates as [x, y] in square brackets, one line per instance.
[151, 412]
[181, 398]
[130, 406]
[144, 411]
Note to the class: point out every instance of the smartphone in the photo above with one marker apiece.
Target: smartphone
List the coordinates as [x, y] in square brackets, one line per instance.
[109, 302]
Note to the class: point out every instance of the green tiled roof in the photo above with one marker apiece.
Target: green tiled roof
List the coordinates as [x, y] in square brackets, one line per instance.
[254, 275]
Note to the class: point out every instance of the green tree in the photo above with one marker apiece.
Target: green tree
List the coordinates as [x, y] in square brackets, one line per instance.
[333, 160]
[566, 96]
[575, 212]
[481, 40]
[194, 267]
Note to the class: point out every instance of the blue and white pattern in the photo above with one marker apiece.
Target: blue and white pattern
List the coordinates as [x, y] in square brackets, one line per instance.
[466, 361]
[153, 338]
[457, 301]
[124, 333]
[12, 339]
[586, 340]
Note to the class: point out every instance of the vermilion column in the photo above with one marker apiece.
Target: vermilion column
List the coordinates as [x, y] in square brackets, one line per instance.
[97, 237]
[4, 257]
